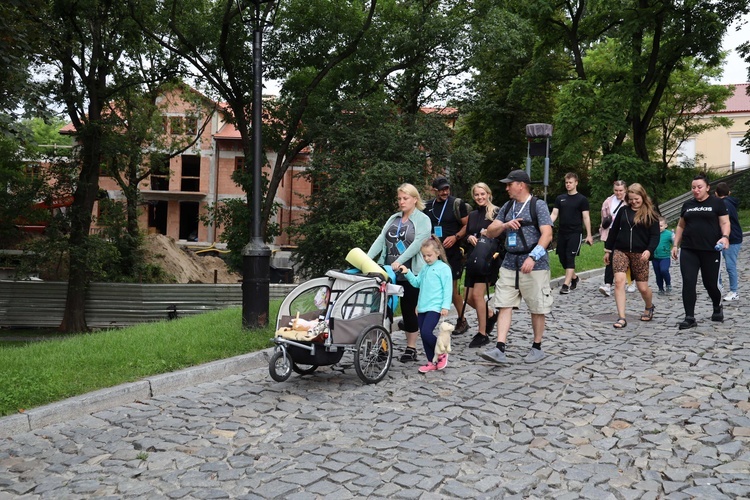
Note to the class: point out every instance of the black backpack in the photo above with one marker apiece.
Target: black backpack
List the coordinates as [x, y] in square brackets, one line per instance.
[486, 253]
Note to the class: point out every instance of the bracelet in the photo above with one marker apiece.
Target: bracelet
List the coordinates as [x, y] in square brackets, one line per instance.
[725, 236]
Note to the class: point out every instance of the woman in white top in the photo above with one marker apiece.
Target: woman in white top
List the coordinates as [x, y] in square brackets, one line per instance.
[609, 209]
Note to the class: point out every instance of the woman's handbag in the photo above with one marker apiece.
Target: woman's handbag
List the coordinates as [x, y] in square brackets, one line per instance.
[606, 221]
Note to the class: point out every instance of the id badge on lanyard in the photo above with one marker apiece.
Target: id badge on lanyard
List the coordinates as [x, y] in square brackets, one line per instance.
[438, 230]
[512, 239]
[400, 246]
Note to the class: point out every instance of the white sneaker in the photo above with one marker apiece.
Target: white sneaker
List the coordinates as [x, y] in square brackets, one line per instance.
[631, 287]
[731, 296]
[605, 290]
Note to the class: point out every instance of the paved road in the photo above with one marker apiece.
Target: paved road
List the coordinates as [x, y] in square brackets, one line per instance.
[647, 412]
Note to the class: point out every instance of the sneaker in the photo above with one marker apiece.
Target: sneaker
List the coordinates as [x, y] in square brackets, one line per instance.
[429, 367]
[491, 323]
[631, 287]
[442, 361]
[669, 289]
[564, 290]
[400, 325]
[661, 292]
[718, 314]
[461, 327]
[494, 355]
[534, 356]
[410, 354]
[479, 340]
[731, 297]
[688, 322]
[574, 283]
[605, 290]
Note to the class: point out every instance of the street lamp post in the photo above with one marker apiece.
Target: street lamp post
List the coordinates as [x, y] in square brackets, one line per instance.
[256, 256]
[535, 132]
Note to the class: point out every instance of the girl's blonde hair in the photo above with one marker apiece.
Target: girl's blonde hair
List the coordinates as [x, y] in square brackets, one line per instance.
[434, 242]
[410, 190]
[491, 208]
[646, 214]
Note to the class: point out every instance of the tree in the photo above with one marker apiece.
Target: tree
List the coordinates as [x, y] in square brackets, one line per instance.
[91, 45]
[509, 88]
[689, 108]
[355, 172]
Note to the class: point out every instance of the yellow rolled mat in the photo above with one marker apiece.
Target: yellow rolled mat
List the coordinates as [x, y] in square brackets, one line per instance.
[359, 259]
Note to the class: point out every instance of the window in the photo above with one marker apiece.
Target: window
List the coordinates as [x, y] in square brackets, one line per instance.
[191, 126]
[739, 159]
[686, 151]
[176, 125]
[239, 163]
[160, 173]
[191, 173]
[32, 170]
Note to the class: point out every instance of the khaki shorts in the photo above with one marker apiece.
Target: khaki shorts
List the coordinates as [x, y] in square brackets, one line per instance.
[533, 288]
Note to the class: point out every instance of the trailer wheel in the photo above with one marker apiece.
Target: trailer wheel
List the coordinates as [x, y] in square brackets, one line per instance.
[303, 369]
[373, 354]
[280, 365]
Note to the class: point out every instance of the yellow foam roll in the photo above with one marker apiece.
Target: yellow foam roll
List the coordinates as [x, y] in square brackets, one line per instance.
[359, 259]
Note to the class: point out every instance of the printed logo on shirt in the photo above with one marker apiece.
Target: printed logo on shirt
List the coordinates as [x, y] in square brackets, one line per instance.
[700, 209]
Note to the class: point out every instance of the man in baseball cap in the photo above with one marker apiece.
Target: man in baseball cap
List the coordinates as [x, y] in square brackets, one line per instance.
[449, 216]
[440, 183]
[516, 176]
[524, 273]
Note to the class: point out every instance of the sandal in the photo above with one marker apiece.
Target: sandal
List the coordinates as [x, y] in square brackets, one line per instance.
[620, 323]
[648, 315]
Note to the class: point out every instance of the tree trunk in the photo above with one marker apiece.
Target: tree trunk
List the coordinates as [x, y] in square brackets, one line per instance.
[74, 318]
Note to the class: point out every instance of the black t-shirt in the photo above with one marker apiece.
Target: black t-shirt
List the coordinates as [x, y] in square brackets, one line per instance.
[442, 214]
[702, 229]
[570, 208]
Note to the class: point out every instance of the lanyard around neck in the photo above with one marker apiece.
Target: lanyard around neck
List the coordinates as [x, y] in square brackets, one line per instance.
[441, 212]
[516, 214]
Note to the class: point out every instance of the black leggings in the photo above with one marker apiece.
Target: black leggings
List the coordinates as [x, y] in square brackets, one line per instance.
[409, 307]
[708, 263]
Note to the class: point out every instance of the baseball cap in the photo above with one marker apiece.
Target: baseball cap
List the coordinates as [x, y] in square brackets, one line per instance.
[440, 183]
[517, 176]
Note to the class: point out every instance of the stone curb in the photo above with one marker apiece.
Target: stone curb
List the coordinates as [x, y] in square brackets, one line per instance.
[158, 385]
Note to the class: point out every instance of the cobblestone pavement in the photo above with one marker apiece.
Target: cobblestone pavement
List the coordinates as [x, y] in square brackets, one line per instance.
[645, 412]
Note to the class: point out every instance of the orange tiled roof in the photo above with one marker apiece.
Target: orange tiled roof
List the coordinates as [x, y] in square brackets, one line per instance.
[228, 131]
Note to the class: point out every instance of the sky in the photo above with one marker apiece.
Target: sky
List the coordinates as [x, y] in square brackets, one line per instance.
[735, 69]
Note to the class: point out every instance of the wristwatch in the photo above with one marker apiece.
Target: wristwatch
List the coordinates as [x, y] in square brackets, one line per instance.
[725, 236]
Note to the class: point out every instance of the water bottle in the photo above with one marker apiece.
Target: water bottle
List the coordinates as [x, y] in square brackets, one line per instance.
[719, 247]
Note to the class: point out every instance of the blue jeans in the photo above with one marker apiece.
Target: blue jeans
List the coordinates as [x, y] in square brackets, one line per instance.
[730, 260]
[427, 323]
[661, 271]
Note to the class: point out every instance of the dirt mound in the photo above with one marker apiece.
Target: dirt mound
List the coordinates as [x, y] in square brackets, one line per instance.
[185, 265]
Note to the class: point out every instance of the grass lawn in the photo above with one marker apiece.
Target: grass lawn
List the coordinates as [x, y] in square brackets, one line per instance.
[37, 373]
